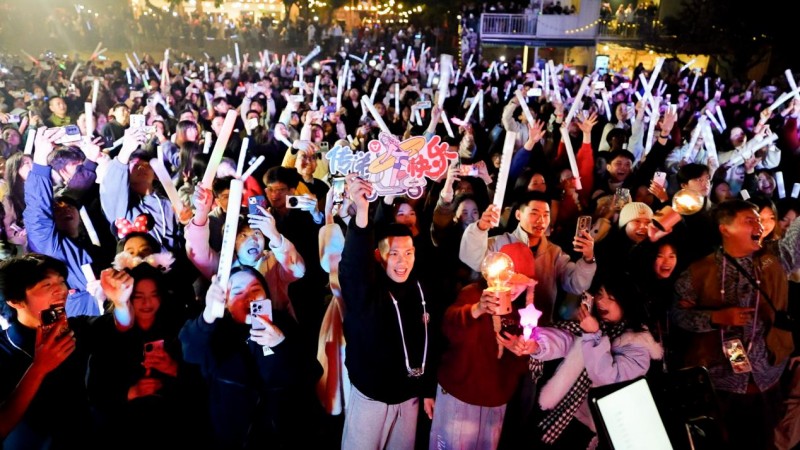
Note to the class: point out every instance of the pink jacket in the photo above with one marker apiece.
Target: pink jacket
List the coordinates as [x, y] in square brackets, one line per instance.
[280, 265]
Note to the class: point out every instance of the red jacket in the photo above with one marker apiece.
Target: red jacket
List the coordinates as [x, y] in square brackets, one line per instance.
[470, 370]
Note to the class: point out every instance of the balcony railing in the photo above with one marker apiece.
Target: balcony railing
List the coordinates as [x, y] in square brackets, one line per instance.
[506, 25]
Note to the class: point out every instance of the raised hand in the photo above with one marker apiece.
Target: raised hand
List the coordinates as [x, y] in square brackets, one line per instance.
[264, 222]
[52, 348]
[270, 336]
[43, 143]
[489, 219]
[117, 285]
[588, 322]
[214, 296]
[588, 123]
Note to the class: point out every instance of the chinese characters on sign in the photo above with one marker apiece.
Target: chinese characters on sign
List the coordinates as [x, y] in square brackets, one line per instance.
[395, 167]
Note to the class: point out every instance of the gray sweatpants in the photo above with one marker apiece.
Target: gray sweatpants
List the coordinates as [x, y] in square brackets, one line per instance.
[374, 425]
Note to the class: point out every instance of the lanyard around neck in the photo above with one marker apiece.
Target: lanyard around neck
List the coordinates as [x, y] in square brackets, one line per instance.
[425, 319]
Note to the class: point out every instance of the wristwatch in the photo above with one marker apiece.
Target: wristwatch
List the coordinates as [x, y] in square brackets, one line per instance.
[591, 261]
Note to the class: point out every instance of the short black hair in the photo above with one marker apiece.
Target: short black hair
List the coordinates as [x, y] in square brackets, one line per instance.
[65, 155]
[724, 213]
[691, 171]
[612, 155]
[154, 244]
[618, 133]
[20, 273]
[284, 175]
[533, 196]
[221, 185]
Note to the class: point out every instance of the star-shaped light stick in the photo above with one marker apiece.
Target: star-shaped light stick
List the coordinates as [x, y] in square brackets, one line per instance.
[529, 318]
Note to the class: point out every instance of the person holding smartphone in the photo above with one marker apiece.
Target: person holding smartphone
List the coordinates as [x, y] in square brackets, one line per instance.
[261, 382]
[137, 378]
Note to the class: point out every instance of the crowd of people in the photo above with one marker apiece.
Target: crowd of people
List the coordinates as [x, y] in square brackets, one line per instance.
[133, 294]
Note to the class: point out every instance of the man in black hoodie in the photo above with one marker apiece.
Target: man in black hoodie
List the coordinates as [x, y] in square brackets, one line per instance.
[387, 329]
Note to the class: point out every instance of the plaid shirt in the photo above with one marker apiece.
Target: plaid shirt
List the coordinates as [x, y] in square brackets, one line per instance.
[738, 292]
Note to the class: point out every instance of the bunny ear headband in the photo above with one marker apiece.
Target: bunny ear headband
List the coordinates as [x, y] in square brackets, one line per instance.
[161, 261]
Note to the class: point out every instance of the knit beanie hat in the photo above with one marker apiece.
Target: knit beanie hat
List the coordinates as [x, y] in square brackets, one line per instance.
[633, 211]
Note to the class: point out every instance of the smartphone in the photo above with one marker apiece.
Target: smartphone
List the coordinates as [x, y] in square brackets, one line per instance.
[584, 224]
[494, 91]
[260, 308]
[622, 197]
[137, 121]
[72, 134]
[52, 315]
[137, 94]
[293, 201]
[153, 346]
[13, 118]
[468, 170]
[625, 85]
[598, 85]
[337, 184]
[737, 355]
[324, 146]
[254, 202]
[535, 92]
[587, 300]
[660, 178]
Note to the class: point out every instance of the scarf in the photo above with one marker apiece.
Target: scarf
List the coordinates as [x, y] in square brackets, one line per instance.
[560, 417]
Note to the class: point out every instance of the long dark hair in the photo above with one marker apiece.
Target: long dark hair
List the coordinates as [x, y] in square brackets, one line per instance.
[621, 286]
[16, 185]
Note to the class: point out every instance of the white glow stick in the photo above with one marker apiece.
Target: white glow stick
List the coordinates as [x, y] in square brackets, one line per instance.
[573, 163]
[782, 99]
[525, 109]
[779, 182]
[128, 74]
[236, 49]
[554, 80]
[469, 61]
[282, 139]
[480, 106]
[795, 190]
[316, 93]
[29, 142]
[88, 273]
[447, 125]
[651, 129]
[397, 99]
[219, 149]
[714, 120]
[89, 120]
[207, 142]
[575, 103]
[792, 83]
[508, 90]
[374, 90]
[340, 88]
[74, 71]
[90, 230]
[695, 136]
[607, 104]
[167, 184]
[705, 87]
[472, 106]
[546, 79]
[457, 77]
[721, 118]
[407, 61]
[444, 79]
[418, 117]
[694, 82]
[252, 167]
[505, 165]
[205, 68]
[242, 154]
[133, 68]
[136, 57]
[745, 194]
[313, 54]
[687, 65]
[229, 231]
[381, 124]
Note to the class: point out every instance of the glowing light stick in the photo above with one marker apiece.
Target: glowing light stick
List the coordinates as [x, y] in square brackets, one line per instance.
[573, 163]
[381, 124]
[166, 182]
[90, 230]
[397, 99]
[252, 168]
[242, 154]
[374, 90]
[505, 165]
[228, 240]
[310, 56]
[236, 49]
[523, 102]
[207, 142]
[88, 273]
[574, 108]
[316, 93]
[447, 125]
[29, 142]
[89, 120]
[795, 190]
[529, 319]
[779, 182]
[219, 149]
[687, 65]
